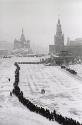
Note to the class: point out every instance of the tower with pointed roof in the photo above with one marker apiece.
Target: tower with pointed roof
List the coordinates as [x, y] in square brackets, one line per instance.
[59, 38]
[22, 43]
[73, 48]
[22, 38]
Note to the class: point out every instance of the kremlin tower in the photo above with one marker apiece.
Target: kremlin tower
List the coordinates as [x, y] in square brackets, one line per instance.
[59, 38]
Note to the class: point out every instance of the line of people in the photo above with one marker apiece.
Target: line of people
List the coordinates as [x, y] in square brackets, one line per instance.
[40, 110]
[29, 62]
[69, 70]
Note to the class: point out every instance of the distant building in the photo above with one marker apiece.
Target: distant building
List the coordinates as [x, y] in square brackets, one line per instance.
[21, 47]
[5, 48]
[58, 40]
[22, 43]
[76, 42]
[3, 53]
[72, 47]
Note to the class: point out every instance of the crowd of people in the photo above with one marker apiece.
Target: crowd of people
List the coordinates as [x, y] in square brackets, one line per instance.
[40, 110]
[69, 70]
[29, 62]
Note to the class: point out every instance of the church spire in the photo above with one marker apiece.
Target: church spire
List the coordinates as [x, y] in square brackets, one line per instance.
[58, 21]
[22, 30]
[22, 36]
[58, 30]
[59, 37]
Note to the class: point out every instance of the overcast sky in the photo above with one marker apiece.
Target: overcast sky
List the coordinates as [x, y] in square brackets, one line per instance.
[39, 19]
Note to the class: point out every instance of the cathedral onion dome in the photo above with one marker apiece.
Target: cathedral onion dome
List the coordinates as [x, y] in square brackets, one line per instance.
[22, 37]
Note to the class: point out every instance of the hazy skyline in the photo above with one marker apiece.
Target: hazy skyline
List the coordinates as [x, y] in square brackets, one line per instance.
[39, 18]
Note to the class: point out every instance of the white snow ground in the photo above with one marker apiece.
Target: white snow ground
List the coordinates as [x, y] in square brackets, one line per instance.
[63, 90]
[77, 68]
[11, 111]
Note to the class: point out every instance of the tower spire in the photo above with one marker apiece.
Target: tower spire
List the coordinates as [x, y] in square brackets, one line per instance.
[22, 30]
[59, 29]
[59, 37]
[22, 36]
[58, 20]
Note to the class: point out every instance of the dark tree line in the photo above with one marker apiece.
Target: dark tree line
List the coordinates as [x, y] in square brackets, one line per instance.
[40, 110]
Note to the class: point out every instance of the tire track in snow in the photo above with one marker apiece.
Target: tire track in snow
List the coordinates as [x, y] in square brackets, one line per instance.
[75, 77]
[31, 86]
[32, 81]
[27, 82]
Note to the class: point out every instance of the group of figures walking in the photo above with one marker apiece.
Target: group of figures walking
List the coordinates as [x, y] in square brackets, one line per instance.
[40, 110]
[69, 70]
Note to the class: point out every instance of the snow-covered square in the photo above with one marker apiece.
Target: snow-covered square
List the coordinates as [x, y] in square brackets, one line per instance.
[63, 92]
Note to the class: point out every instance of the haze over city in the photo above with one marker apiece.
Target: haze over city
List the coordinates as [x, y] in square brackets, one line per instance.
[41, 62]
[38, 19]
